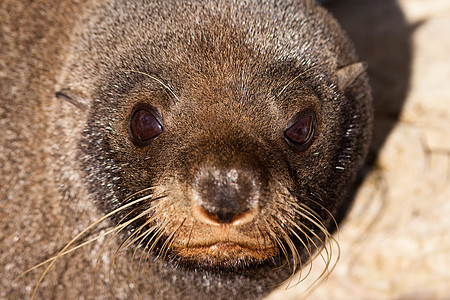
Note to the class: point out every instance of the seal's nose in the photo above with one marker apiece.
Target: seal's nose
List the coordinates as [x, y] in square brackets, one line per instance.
[225, 196]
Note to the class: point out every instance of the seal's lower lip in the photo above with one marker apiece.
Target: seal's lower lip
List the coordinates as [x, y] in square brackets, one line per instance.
[219, 248]
[224, 252]
[224, 244]
[223, 247]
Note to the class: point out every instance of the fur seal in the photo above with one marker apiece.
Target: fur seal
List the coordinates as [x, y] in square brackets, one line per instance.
[208, 144]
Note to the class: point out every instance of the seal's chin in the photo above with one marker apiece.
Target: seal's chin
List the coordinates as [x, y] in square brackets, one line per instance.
[224, 254]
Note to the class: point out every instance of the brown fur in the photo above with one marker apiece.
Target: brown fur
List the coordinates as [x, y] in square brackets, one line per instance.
[226, 78]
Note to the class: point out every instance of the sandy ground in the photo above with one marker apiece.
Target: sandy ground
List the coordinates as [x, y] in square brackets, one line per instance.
[395, 242]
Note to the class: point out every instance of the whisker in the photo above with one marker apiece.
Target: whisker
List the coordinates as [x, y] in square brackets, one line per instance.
[323, 208]
[138, 236]
[66, 252]
[323, 276]
[135, 235]
[306, 246]
[171, 238]
[132, 238]
[277, 241]
[139, 192]
[190, 234]
[166, 87]
[295, 255]
[148, 232]
[158, 236]
[316, 202]
[313, 219]
[257, 237]
[66, 249]
[299, 75]
[327, 246]
[117, 229]
[145, 235]
[304, 212]
[308, 238]
[62, 252]
[142, 237]
[156, 231]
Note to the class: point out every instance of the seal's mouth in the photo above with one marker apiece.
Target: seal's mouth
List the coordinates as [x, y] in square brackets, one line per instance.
[224, 253]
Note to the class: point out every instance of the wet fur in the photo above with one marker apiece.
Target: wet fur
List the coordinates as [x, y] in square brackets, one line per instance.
[66, 166]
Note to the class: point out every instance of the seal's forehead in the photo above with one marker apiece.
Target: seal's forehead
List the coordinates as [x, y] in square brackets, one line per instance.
[182, 30]
[205, 52]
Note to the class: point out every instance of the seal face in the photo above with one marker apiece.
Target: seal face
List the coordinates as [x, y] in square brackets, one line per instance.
[226, 139]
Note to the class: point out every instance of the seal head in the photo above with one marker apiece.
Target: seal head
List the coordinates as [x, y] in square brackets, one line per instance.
[230, 131]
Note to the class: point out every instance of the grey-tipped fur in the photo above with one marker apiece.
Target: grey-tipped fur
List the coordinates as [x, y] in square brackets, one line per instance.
[250, 64]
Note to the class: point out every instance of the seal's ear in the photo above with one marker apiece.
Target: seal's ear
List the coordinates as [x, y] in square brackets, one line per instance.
[346, 75]
[75, 97]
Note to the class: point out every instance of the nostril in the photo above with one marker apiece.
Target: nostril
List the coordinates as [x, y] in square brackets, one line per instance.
[225, 196]
[223, 217]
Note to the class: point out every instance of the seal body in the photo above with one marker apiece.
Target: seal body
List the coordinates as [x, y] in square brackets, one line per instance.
[211, 144]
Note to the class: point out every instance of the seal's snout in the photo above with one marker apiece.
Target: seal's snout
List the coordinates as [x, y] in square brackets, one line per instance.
[225, 196]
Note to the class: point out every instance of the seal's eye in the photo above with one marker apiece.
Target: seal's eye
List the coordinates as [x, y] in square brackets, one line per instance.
[144, 127]
[300, 131]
